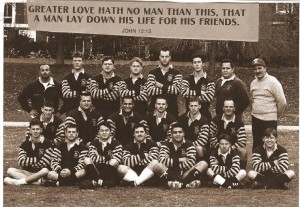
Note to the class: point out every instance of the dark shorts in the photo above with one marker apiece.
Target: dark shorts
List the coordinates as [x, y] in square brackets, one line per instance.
[107, 172]
[138, 169]
[171, 174]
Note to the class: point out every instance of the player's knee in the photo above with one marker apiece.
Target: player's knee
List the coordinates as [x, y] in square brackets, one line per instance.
[202, 166]
[80, 173]
[200, 151]
[252, 174]
[87, 161]
[152, 164]
[290, 174]
[242, 153]
[44, 171]
[52, 175]
[241, 175]
[114, 163]
[123, 169]
[11, 171]
[210, 173]
[159, 168]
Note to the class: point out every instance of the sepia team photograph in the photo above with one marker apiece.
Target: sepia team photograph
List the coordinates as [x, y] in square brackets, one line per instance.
[150, 103]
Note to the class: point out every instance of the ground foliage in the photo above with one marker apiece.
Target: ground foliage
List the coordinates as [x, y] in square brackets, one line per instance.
[145, 196]
[18, 75]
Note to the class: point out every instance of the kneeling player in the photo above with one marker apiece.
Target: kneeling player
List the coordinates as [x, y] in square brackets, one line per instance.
[67, 160]
[196, 127]
[137, 155]
[34, 157]
[105, 156]
[225, 165]
[270, 163]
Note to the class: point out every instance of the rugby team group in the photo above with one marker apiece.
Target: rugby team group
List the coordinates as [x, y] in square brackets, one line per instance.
[128, 132]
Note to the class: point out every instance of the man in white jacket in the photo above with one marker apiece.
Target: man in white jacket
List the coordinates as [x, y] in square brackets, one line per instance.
[268, 101]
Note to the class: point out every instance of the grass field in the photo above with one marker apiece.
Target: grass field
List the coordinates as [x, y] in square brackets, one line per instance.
[144, 196]
[17, 75]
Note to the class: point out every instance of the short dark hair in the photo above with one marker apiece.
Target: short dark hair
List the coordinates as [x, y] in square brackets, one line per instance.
[203, 58]
[106, 58]
[224, 136]
[270, 131]
[48, 104]
[194, 99]
[227, 61]
[35, 121]
[165, 49]
[176, 125]
[85, 93]
[77, 54]
[105, 123]
[71, 126]
[138, 125]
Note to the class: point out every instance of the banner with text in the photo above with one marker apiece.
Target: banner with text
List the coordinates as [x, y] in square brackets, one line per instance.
[205, 21]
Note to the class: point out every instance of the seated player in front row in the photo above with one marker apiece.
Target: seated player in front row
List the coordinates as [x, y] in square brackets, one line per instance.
[176, 163]
[270, 163]
[105, 156]
[225, 165]
[33, 157]
[137, 155]
[67, 159]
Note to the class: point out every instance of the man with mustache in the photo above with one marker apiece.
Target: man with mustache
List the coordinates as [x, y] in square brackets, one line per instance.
[268, 101]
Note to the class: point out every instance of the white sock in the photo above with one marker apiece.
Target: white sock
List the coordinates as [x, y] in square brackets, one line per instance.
[145, 175]
[21, 181]
[219, 180]
[130, 176]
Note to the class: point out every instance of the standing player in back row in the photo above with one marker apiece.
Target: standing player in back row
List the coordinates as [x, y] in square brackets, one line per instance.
[200, 85]
[164, 80]
[105, 89]
[231, 87]
[134, 86]
[74, 83]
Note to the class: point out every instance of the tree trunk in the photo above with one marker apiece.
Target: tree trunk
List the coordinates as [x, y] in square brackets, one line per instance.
[212, 58]
[60, 49]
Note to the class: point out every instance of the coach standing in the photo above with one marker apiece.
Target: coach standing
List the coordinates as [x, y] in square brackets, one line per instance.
[268, 101]
[42, 89]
